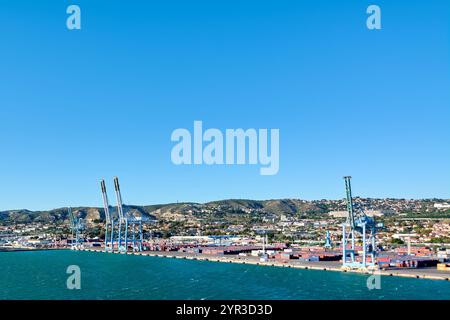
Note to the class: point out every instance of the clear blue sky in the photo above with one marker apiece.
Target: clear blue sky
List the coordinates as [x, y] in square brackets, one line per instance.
[78, 106]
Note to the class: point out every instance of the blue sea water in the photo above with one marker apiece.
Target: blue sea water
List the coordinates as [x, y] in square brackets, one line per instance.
[42, 275]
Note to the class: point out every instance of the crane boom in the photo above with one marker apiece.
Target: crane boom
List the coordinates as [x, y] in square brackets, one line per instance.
[105, 201]
[119, 199]
[72, 221]
[351, 214]
[72, 218]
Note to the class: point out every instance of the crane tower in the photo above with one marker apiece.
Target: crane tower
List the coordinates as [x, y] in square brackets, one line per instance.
[77, 226]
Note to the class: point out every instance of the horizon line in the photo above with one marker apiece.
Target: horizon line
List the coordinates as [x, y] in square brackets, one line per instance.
[229, 199]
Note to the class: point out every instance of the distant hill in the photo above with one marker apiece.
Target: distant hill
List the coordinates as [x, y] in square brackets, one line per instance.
[275, 207]
[90, 214]
[61, 215]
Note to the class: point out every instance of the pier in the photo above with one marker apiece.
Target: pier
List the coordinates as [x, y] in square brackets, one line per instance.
[425, 273]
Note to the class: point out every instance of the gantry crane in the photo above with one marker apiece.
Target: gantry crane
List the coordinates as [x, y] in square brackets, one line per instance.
[77, 226]
[126, 230]
[358, 223]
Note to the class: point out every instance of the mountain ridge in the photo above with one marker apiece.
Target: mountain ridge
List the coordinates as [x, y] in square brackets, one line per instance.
[273, 207]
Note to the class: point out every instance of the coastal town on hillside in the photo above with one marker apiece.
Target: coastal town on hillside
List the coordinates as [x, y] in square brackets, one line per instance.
[282, 220]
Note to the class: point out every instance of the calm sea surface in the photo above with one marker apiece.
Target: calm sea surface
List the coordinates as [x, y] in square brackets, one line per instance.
[42, 275]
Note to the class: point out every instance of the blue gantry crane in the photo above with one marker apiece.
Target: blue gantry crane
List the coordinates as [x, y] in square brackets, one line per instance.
[358, 227]
[77, 225]
[123, 232]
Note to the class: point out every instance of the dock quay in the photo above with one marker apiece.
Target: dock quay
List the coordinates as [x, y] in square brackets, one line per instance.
[423, 273]
[12, 249]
